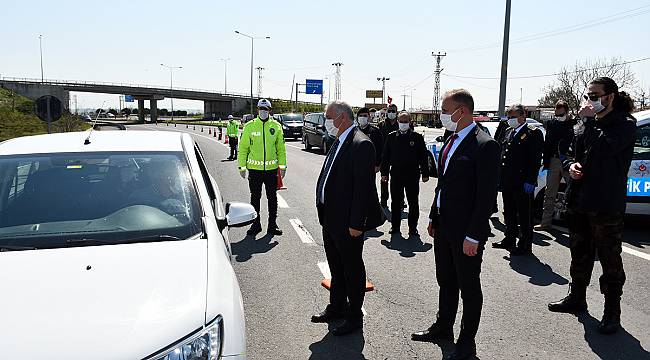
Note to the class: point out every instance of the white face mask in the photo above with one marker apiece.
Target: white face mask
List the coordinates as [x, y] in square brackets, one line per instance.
[560, 118]
[392, 115]
[362, 120]
[264, 114]
[597, 105]
[331, 129]
[447, 122]
[513, 122]
[404, 127]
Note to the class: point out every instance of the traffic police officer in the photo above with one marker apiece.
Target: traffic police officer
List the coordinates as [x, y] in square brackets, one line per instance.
[371, 131]
[387, 126]
[232, 131]
[598, 165]
[520, 163]
[262, 152]
[405, 159]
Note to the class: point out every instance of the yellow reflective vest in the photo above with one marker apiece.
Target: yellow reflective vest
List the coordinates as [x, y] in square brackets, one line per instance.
[261, 146]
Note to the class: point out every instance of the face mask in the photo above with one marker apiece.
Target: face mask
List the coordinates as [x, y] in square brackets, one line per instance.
[331, 129]
[264, 114]
[404, 127]
[513, 122]
[447, 122]
[362, 120]
[560, 118]
[597, 105]
[392, 115]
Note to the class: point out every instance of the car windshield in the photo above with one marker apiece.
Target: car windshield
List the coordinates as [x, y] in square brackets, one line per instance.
[292, 118]
[76, 199]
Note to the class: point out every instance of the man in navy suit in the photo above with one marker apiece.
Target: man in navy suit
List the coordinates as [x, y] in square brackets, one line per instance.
[459, 221]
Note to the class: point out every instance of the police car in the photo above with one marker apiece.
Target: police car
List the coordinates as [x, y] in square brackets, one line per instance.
[114, 245]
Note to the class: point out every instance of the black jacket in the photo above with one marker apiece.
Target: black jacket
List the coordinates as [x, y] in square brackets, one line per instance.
[469, 187]
[351, 199]
[559, 135]
[604, 150]
[404, 154]
[377, 139]
[521, 157]
[385, 127]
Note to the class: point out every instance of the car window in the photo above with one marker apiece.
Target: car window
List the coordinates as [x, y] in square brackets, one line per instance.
[292, 118]
[321, 119]
[642, 143]
[310, 119]
[46, 200]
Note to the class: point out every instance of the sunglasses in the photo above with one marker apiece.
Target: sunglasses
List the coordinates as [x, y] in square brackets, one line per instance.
[594, 97]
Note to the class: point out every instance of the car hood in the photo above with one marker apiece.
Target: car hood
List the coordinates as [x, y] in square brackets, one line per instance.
[112, 301]
[293, 124]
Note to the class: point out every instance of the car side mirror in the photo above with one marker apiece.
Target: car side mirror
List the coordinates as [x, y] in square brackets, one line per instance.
[240, 214]
[440, 139]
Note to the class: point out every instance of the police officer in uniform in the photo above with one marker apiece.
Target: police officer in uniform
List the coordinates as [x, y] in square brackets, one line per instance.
[521, 157]
[387, 126]
[405, 159]
[598, 163]
[232, 131]
[261, 153]
[372, 132]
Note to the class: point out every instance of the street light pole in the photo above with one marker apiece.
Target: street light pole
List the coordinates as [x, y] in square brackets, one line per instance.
[225, 74]
[252, 51]
[504, 61]
[171, 85]
[383, 88]
[40, 47]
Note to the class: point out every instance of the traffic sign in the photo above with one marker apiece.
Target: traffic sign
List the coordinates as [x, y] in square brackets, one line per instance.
[49, 109]
[128, 98]
[313, 86]
[374, 94]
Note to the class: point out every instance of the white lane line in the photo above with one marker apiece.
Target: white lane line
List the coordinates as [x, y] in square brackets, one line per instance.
[281, 202]
[302, 232]
[325, 270]
[636, 253]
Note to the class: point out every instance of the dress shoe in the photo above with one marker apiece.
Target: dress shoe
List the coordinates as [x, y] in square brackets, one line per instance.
[504, 244]
[254, 230]
[462, 352]
[574, 303]
[433, 334]
[542, 227]
[327, 316]
[274, 230]
[394, 231]
[349, 325]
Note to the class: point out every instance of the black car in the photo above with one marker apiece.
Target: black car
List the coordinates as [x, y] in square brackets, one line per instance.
[291, 125]
[315, 134]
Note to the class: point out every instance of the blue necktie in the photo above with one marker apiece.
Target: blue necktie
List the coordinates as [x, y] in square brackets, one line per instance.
[326, 170]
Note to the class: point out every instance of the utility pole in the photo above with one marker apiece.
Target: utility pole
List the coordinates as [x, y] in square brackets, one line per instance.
[259, 81]
[225, 74]
[337, 83]
[40, 47]
[171, 85]
[435, 113]
[504, 61]
[383, 88]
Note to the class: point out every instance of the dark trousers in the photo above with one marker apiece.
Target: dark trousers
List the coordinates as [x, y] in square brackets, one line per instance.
[517, 212]
[410, 183]
[384, 191]
[601, 234]
[232, 140]
[344, 256]
[456, 272]
[270, 180]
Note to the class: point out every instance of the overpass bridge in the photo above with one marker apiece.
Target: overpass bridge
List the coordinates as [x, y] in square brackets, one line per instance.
[217, 103]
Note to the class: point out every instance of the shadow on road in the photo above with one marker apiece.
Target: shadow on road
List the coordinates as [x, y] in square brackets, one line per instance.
[406, 247]
[540, 274]
[248, 246]
[339, 347]
[621, 345]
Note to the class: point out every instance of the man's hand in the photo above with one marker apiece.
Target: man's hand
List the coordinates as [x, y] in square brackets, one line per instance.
[377, 169]
[575, 171]
[431, 230]
[355, 232]
[283, 173]
[586, 111]
[425, 179]
[384, 179]
[242, 173]
[469, 248]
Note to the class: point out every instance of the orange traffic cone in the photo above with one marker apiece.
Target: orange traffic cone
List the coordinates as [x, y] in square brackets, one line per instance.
[327, 284]
[280, 184]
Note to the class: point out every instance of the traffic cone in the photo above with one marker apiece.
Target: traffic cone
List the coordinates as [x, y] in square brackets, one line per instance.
[280, 184]
[209, 131]
[215, 133]
[327, 284]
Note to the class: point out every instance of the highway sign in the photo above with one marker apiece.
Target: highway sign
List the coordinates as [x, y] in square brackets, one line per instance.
[128, 98]
[313, 86]
[374, 94]
[49, 109]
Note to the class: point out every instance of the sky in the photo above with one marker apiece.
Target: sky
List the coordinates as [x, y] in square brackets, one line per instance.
[126, 41]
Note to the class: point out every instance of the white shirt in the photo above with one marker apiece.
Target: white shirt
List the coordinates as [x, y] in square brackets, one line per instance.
[518, 128]
[461, 136]
[341, 139]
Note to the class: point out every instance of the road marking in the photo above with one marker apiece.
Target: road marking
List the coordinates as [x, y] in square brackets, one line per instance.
[636, 253]
[281, 202]
[294, 146]
[325, 270]
[302, 232]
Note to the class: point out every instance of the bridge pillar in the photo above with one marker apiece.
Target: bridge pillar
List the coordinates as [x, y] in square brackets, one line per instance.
[153, 114]
[141, 111]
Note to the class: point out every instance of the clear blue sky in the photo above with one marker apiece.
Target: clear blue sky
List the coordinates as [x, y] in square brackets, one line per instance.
[125, 41]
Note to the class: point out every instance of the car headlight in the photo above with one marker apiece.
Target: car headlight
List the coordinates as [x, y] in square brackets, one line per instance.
[202, 345]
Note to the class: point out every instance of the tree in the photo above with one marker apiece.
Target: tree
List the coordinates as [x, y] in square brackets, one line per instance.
[126, 111]
[112, 111]
[571, 83]
[163, 112]
[68, 123]
[99, 111]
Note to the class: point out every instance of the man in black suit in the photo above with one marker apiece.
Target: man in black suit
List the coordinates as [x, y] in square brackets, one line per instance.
[459, 222]
[348, 205]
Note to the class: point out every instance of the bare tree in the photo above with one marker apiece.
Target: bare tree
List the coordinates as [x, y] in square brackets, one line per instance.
[571, 83]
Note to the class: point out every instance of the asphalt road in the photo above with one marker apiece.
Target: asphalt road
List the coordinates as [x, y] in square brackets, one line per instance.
[280, 281]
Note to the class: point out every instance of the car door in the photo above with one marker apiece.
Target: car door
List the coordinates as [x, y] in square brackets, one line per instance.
[638, 186]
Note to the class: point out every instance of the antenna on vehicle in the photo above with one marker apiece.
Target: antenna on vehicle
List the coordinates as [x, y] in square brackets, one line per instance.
[87, 141]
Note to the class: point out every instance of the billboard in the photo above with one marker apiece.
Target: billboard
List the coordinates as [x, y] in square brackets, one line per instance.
[374, 94]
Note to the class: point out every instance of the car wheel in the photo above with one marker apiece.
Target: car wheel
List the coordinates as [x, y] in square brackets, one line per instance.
[306, 141]
[324, 147]
[645, 141]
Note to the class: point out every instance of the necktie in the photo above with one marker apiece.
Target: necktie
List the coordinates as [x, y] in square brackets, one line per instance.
[446, 152]
[512, 134]
[326, 170]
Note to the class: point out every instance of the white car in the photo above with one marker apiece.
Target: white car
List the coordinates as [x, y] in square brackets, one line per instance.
[114, 245]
